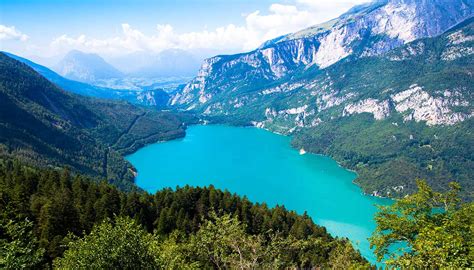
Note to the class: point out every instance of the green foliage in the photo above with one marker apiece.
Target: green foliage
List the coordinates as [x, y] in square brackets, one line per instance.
[343, 256]
[426, 230]
[387, 155]
[220, 243]
[19, 248]
[380, 151]
[174, 252]
[45, 126]
[63, 206]
[122, 245]
[224, 242]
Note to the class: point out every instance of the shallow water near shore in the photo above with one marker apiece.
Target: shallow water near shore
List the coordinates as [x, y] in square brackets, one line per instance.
[262, 166]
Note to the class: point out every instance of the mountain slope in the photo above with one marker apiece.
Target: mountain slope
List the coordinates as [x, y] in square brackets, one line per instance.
[153, 98]
[86, 67]
[67, 84]
[366, 30]
[392, 117]
[43, 125]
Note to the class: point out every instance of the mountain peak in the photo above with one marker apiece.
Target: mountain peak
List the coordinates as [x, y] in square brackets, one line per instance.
[86, 67]
[367, 30]
[405, 20]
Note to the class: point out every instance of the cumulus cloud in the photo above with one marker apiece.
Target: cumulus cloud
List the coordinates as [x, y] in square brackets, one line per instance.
[10, 33]
[258, 27]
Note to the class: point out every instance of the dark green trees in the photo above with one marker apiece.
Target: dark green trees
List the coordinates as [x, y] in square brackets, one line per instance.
[221, 243]
[44, 126]
[171, 225]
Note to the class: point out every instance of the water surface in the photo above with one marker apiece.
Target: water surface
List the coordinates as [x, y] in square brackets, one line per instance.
[264, 167]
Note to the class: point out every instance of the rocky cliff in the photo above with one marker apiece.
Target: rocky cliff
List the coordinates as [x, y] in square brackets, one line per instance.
[386, 89]
[367, 30]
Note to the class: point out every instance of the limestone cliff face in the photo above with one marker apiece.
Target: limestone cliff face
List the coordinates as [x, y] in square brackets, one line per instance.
[367, 30]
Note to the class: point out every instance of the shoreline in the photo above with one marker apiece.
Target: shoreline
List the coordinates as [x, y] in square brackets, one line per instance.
[345, 186]
[302, 151]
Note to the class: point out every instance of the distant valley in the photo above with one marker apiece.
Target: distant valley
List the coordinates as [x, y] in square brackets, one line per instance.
[136, 71]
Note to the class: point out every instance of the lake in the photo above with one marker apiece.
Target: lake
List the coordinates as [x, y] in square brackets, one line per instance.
[262, 166]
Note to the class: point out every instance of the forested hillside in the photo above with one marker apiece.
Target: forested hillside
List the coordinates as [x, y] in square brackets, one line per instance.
[156, 98]
[43, 125]
[44, 211]
[410, 107]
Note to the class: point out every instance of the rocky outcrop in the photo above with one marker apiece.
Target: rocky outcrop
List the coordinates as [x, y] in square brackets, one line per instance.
[418, 105]
[459, 45]
[380, 109]
[299, 80]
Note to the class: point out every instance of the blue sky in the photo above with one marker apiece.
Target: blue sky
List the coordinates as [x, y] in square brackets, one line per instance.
[53, 17]
[48, 28]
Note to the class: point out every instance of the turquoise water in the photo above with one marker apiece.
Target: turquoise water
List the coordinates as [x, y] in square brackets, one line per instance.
[264, 167]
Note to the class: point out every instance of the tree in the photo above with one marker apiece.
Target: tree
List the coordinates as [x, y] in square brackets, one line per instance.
[344, 256]
[426, 229]
[63, 207]
[18, 246]
[122, 245]
[223, 241]
[174, 252]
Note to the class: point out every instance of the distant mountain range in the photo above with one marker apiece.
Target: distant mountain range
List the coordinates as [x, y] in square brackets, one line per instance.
[86, 67]
[135, 71]
[386, 89]
[43, 125]
[154, 97]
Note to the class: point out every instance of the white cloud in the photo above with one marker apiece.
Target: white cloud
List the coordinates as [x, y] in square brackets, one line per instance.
[258, 27]
[10, 33]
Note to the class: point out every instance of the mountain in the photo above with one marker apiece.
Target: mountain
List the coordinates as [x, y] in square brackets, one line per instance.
[155, 97]
[67, 84]
[86, 67]
[385, 89]
[364, 31]
[43, 125]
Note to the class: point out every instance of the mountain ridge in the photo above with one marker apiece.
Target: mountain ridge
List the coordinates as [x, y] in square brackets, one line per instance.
[364, 31]
[153, 97]
[420, 88]
[46, 126]
[165, 64]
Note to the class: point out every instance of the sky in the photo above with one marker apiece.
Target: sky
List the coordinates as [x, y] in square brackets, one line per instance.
[50, 28]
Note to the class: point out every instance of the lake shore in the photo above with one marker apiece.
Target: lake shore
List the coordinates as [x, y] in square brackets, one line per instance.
[264, 167]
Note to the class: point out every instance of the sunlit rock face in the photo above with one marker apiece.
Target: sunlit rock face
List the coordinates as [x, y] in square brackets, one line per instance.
[291, 82]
